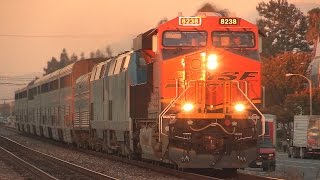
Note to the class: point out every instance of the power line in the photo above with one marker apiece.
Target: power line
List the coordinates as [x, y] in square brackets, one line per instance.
[54, 36]
[13, 84]
[17, 78]
[12, 79]
[29, 77]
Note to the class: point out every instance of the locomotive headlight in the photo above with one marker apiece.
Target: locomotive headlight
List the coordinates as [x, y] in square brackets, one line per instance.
[187, 107]
[212, 62]
[239, 107]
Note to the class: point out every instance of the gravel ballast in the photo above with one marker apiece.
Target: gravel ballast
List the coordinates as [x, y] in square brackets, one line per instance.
[109, 167]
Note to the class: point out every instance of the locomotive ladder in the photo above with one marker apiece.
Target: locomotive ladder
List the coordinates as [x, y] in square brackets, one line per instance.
[166, 109]
[255, 107]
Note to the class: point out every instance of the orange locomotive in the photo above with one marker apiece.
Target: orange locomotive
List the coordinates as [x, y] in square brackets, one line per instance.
[203, 90]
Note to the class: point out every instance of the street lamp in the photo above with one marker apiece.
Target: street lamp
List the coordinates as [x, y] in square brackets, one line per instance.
[310, 88]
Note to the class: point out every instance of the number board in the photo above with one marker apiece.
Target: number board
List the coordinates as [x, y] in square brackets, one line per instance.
[228, 21]
[190, 21]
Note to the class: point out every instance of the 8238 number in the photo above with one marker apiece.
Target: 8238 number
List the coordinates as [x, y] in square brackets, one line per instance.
[228, 21]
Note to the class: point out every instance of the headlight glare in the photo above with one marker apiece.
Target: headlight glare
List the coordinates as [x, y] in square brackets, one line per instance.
[187, 107]
[239, 107]
[212, 62]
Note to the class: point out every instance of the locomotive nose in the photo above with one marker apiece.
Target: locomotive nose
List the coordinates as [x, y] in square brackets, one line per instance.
[197, 65]
[212, 62]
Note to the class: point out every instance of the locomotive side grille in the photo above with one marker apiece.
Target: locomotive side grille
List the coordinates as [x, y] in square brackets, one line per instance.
[76, 119]
[81, 119]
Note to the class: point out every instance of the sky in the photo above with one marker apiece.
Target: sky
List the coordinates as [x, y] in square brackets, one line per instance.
[48, 26]
[34, 31]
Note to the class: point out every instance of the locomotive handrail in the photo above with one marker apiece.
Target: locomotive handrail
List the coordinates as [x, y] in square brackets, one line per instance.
[215, 124]
[246, 87]
[263, 118]
[166, 109]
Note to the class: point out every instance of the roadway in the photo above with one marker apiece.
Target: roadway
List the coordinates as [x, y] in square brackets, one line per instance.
[307, 169]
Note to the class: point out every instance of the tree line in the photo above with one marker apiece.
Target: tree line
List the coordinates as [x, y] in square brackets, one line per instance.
[288, 48]
[55, 64]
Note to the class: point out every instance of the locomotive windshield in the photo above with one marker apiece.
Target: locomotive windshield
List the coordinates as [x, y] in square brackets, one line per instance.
[184, 38]
[233, 39]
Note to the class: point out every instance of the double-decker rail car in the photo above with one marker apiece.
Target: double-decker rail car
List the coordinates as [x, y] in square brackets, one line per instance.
[187, 94]
[47, 105]
[20, 110]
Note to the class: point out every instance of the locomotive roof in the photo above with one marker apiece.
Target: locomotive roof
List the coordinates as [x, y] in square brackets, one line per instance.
[54, 75]
[206, 21]
[113, 62]
[83, 78]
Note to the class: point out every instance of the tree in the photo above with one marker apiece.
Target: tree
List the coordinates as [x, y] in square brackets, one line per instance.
[108, 52]
[99, 54]
[82, 56]
[52, 66]
[64, 59]
[285, 26]
[207, 7]
[73, 58]
[297, 103]
[314, 25]
[278, 86]
[92, 54]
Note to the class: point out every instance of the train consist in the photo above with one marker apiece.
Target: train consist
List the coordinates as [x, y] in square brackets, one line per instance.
[186, 94]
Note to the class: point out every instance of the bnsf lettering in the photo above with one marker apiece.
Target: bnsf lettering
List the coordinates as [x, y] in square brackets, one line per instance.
[248, 75]
[228, 76]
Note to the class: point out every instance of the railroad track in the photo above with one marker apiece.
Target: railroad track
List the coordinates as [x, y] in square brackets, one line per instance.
[207, 175]
[154, 166]
[33, 172]
[46, 166]
[178, 173]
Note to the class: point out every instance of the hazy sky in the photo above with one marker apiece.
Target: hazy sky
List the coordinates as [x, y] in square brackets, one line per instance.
[88, 25]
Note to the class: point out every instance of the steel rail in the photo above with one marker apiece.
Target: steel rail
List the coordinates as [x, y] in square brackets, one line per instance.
[60, 162]
[33, 169]
[152, 166]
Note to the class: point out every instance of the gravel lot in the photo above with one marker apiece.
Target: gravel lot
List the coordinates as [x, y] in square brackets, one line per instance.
[109, 167]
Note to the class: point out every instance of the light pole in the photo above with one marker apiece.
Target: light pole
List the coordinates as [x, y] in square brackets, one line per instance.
[310, 88]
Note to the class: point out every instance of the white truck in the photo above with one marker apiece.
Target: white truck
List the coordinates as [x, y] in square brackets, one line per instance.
[306, 137]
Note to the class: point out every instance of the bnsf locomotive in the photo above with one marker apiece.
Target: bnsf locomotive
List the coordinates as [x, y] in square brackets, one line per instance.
[186, 94]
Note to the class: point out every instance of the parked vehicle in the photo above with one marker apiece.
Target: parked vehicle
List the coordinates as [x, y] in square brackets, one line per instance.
[306, 137]
[267, 150]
